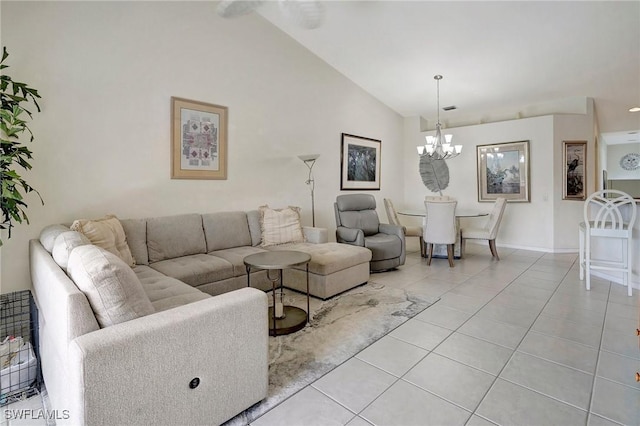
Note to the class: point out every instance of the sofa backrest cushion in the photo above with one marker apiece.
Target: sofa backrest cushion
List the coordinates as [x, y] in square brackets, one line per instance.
[112, 288]
[169, 237]
[64, 244]
[107, 233]
[225, 230]
[253, 217]
[136, 232]
[48, 235]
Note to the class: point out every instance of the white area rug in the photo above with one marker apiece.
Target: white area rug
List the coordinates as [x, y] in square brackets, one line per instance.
[339, 328]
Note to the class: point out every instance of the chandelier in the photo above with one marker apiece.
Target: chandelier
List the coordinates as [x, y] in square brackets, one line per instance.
[439, 147]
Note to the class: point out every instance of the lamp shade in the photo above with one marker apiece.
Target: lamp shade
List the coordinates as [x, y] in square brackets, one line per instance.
[309, 157]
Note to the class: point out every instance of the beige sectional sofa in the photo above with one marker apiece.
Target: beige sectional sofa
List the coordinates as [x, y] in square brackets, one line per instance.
[198, 352]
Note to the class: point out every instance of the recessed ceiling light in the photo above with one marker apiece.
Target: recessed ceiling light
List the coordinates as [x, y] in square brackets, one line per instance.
[634, 109]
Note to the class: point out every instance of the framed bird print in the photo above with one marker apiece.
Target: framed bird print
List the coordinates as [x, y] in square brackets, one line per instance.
[574, 173]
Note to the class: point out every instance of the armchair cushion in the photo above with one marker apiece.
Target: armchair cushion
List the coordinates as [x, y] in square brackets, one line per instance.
[384, 246]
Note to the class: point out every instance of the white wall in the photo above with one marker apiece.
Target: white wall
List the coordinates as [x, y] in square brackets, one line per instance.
[106, 72]
[568, 213]
[547, 222]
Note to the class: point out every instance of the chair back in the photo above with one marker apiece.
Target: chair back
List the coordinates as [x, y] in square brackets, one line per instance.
[357, 211]
[392, 215]
[495, 217]
[441, 222]
[603, 215]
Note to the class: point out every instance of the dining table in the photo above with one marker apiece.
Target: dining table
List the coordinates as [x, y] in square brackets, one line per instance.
[440, 250]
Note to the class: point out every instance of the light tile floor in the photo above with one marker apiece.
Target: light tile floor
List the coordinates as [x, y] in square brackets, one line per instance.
[512, 342]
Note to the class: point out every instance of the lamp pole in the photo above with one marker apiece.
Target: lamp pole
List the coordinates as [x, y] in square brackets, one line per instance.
[310, 161]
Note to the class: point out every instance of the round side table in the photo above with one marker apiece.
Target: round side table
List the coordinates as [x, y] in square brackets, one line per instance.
[294, 318]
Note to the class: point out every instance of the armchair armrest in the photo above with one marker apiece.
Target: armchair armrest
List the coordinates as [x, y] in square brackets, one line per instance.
[315, 235]
[398, 231]
[387, 228]
[352, 236]
[144, 371]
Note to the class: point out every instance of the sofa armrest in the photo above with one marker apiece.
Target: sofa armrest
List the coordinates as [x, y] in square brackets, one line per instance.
[315, 235]
[142, 371]
[352, 236]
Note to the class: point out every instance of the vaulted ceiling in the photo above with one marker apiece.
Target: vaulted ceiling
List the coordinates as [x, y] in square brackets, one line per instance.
[499, 59]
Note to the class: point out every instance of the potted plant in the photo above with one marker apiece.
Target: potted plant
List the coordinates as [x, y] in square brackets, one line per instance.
[14, 97]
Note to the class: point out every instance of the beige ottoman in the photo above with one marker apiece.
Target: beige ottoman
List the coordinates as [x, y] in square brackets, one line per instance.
[333, 268]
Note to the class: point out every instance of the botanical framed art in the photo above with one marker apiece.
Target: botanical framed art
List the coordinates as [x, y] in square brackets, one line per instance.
[199, 140]
[360, 163]
[574, 166]
[503, 171]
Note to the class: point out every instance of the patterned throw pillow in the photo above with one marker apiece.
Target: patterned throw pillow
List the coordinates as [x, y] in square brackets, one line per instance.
[280, 226]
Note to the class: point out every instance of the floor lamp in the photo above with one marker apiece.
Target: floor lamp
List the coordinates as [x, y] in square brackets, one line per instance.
[310, 160]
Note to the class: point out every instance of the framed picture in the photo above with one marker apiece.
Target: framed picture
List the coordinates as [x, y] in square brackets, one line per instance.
[574, 166]
[503, 171]
[199, 140]
[360, 163]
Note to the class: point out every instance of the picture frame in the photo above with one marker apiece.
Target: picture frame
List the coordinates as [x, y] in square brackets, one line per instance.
[360, 162]
[198, 140]
[574, 168]
[503, 171]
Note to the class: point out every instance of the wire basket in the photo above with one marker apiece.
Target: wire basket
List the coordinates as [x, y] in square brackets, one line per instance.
[20, 375]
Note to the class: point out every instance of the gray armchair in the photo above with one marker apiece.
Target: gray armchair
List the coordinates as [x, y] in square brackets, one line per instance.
[357, 224]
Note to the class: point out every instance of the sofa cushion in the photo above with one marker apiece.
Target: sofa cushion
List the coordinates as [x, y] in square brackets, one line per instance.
[166, 292]
[226, 230]
[106, 233]
[48, 235]
[329, 257]
[112, 288]
[64, 244]
[169, 237]
[280, 226]
[196, 269]
[136, 232]
[253, 218]
[236, 256]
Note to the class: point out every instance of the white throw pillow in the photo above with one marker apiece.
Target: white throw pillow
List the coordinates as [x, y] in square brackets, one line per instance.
[64, 244]
[107, 233]
[112, 288]
[280, 226]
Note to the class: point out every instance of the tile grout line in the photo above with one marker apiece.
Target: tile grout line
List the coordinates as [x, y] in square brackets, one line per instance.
[516, 349]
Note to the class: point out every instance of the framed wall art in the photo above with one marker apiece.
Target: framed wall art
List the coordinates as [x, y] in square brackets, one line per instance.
[360, 163]
[199, 140]
[503, 171]
[574, 166]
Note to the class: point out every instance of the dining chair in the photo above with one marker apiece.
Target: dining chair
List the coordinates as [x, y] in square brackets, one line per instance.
[488, 231]
[608, 214]
[409, 231]
[440, 227]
